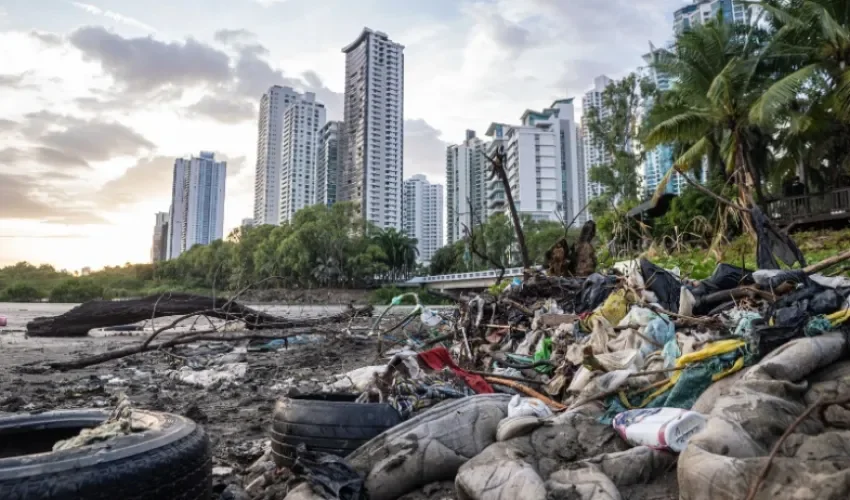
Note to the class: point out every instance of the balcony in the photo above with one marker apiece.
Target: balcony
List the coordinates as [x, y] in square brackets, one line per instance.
[810, 209]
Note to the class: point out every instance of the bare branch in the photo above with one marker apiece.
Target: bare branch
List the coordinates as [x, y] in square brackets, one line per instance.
[498, 165]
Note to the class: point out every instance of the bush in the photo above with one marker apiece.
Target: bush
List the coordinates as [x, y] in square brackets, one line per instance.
[384, 296]
[21, 293]
[76, 290]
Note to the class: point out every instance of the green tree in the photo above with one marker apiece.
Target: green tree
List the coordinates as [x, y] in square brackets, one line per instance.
[613, 129]
[76, 290]
[719, 76]
[21, 293]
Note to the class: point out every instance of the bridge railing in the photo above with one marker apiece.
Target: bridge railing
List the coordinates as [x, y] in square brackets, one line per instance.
[492, 273]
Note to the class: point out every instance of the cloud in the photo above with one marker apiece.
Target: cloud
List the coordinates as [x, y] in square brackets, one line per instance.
[42, 155]
[6, 125]
[269, 3]
[94, 140]
[228, 111]
[63, 141]
[146, 64]
[19, 200]
[228, 36]
[120, 18]
[151, 179]
[48, 39]
[424, 150]
[17, 82]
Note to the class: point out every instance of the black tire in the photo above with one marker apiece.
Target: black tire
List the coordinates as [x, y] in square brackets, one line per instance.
[172, 461]
[330, 423]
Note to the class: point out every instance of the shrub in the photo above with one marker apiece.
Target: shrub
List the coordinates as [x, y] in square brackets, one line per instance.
[21, 293]
[76, 290]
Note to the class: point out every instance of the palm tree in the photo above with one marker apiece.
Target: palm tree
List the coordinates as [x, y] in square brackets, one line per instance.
[325, 270]
[400, 252]
[718, 75]
[811, 97]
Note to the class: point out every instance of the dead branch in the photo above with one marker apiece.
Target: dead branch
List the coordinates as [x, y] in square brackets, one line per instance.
[102, 313]
[203, 335]
[498, 165]
[473, 247]
[820, 403]
[704, 190]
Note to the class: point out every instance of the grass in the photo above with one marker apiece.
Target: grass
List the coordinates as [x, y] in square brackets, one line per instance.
[700, 263]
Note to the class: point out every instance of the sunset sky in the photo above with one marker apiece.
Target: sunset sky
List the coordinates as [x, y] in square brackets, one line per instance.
[97, 99]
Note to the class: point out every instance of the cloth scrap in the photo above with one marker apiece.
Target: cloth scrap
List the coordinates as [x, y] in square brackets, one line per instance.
[439, 358]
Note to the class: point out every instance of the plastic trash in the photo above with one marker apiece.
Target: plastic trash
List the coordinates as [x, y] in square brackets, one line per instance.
[772, 243]
[659, 428]
[662, 283]
[528, 407]
[2, 320]
[430, 317]
[594, 291]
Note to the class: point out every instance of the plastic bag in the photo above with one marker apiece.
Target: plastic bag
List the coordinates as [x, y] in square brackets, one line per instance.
[528, 407]
[659, 428]
[663, 284]
[594, 291]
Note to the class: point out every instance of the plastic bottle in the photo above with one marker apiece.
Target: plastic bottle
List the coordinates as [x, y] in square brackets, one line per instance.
[659, 428]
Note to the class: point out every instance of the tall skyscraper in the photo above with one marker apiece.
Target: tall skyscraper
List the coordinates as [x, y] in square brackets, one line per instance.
[423, 215]
[302, 121]
[273, 104]
[159, 249]
[559, 119]
[466, 178]
[495, 191]
[197, 203]
[593, 153]
[700, 11]
[328, 165]
[372, 168]
[659, 161]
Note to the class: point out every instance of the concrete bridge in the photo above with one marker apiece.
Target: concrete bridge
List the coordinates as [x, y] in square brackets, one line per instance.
[477, 280]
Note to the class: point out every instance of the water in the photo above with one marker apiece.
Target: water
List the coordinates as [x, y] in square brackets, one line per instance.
[19, 314]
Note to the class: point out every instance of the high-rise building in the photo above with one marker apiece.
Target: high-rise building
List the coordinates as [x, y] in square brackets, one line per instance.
[659, 161]
[269, 153]
[372, 159]
[593, 153]
[159, 249]
[423, 215]
[700, 11]
[467, 172]
[328, 163]
[559, 118]
[534, 169]
[247, 222]
[302, 121]
[197, 203]
[495, 198]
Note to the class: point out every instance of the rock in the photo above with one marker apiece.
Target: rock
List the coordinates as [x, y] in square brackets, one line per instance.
[233, 492]
[193, 412]
[222, 471]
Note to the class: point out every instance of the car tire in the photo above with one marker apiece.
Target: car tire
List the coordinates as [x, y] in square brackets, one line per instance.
[329, 423]
[170, 461]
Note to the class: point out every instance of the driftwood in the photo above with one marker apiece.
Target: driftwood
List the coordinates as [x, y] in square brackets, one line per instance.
[101, 313]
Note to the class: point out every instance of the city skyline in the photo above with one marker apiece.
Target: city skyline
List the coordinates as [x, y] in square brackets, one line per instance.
[68, 85]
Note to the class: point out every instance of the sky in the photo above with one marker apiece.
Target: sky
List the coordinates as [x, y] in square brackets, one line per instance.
[97, 99]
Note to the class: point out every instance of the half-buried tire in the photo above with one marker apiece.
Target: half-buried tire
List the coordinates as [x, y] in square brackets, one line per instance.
[170, 461]
[329, 423]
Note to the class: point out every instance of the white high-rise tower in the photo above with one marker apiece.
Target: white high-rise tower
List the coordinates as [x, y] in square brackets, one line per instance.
[197, 203]
[423, 215]
[269, 149]
[593, 154]
[302, 121]
[374, 128]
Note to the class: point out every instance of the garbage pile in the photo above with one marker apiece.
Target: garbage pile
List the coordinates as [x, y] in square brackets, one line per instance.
[634, 382]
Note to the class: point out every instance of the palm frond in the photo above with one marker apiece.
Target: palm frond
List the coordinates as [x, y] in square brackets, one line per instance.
[694, 155]
[662, 185]
[831, 29]
[780, 94]
[688, 126]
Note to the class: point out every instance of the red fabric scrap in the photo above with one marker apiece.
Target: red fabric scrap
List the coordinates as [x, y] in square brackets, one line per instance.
[439, 358]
